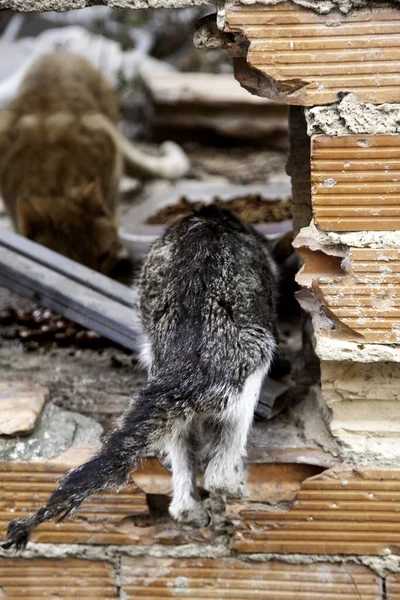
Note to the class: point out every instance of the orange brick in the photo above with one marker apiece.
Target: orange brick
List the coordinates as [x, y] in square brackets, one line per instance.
[393, 587]
[107, 518]
[68, 579]
[346, 511]
[356, 182]
[358, 288]
[312, 57]
[230, 578]
[368, 299]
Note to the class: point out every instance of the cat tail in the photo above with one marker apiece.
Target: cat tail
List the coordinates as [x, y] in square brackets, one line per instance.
[171, 164]
[149, 416]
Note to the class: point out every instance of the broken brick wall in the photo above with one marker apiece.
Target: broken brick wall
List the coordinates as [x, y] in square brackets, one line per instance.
[311, 528]
[340, 75]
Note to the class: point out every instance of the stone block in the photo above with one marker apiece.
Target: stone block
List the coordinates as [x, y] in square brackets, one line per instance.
[21, 404]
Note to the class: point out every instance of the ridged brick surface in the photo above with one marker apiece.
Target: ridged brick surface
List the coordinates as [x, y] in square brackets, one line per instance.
[368, 299]
[26, 486]
[67, 579]
[229, 578]
[350, 511]
[108, 518]
[356, 182]
[312, 57]
[393, 587]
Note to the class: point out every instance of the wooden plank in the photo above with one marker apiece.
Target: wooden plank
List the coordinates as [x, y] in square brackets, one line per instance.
[64, 266]
[74, 300]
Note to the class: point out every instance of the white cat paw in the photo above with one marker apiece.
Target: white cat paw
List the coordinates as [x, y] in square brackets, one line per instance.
[192, 513]
[229, 485]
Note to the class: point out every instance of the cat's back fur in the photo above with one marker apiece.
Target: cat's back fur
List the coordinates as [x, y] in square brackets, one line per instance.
[208, 298]
[65, 82]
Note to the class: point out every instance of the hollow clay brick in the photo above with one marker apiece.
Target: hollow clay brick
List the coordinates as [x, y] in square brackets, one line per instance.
[25, 487]
[309, 58]
[231, 578]
[358, 290]
[343, 511]
[356, 182]
[393, 586]
[366, 299]
[108, 518]
[69, 579]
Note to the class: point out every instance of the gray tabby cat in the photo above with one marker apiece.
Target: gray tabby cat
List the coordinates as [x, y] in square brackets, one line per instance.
[208, 310]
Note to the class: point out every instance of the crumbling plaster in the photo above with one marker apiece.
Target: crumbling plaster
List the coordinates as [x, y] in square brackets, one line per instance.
[350, 116]
[354, 239]
[381, 565]
[321, 6]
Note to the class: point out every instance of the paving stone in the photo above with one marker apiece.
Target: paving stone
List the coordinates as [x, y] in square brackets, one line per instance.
[21, 404]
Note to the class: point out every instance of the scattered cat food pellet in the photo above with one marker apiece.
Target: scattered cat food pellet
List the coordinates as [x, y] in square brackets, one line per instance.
[251, 209]
[42, 326]
[7, 316]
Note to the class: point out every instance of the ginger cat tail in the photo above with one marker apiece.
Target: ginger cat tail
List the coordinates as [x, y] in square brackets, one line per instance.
[62, 158]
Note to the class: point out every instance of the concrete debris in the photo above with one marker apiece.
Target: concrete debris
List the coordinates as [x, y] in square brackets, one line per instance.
[345, 351]
[320, 6]
[363, 399]
[21, 404]
[351, 116]
[57, 431]
[355, 239]
[208, 35]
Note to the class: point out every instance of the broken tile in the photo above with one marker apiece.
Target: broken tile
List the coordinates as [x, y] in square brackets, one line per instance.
[346, 511]
[308, 58]
[21, 404]
[232, 578]
[355, 182]
[69, 579]
[278, 482]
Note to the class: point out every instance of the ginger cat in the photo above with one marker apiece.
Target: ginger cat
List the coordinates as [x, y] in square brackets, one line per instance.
[62, 157]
